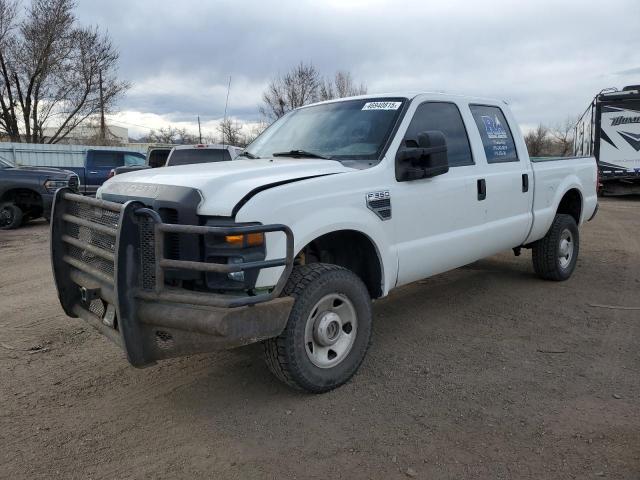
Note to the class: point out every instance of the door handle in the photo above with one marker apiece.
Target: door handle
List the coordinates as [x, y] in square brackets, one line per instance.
[92, 172]
[525, 182]
[482, 189]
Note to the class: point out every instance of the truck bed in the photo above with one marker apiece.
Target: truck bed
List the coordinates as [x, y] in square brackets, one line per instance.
[553, 176]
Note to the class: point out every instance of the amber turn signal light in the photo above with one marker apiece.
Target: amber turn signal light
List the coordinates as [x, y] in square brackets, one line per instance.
[246, 240]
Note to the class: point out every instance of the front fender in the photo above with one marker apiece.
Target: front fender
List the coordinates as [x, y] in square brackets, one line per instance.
[321, 221]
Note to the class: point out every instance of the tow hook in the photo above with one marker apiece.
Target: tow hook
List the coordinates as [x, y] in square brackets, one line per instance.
[517, 251]
[89, 294]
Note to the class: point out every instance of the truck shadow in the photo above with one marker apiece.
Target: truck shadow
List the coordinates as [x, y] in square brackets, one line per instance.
[490, 294]
[242, 373]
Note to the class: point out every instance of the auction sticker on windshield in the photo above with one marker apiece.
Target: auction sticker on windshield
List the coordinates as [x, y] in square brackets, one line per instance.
[381, 105]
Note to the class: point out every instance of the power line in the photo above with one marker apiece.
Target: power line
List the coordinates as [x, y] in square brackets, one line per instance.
[132, 124]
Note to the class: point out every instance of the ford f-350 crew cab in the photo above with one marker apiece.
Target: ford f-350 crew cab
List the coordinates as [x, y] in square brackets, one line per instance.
[334, 205]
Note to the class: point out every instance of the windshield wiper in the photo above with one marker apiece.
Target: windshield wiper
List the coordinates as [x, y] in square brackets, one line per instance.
[248, 155]
[298, 154]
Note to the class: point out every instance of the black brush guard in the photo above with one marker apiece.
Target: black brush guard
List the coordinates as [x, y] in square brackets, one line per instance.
[109, 267]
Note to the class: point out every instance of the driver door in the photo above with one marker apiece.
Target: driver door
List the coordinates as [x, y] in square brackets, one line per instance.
[438, 220]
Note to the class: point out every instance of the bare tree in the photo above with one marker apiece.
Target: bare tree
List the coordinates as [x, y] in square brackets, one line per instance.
[562, 137]
[302, 85]
[537, 141]
[342, 85]
[254, 132]
[170, 135]
[231, 132]
[52, 71]
[294, 89]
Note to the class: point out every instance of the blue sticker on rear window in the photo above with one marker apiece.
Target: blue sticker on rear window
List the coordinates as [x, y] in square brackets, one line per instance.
[496, 136]
[493, 127]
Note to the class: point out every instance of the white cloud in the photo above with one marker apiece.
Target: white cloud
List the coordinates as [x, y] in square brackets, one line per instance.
[546, 58]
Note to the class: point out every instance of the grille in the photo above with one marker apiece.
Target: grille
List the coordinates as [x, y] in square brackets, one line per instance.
[147, 255]
[164, 340]
[91, 236]
[97, 307]
[94, 214]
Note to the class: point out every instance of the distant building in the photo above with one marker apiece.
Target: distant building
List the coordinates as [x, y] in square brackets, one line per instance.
[90, 134]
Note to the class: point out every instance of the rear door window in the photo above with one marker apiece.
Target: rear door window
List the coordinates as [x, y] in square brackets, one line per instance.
[100, 159]
[496, 135]
[444, 117]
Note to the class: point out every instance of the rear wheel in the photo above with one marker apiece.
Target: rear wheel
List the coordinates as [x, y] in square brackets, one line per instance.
[10, 216]
[328, 331]
[555, 255]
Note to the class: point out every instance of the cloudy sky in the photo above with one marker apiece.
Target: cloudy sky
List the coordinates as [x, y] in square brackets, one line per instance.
[546, 58]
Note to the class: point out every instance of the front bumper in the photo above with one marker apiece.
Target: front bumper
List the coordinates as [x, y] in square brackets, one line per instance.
[108, 261]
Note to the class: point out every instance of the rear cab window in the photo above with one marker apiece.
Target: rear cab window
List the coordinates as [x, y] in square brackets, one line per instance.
[446, 118]
[495, 133]
[190, 156]
[132, 159]
[158, 157]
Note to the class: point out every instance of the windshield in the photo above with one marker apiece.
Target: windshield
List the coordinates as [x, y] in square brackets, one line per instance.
[5, 164]
[188, 156]
[351, 129]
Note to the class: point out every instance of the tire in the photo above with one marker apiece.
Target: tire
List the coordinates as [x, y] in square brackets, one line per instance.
[10, 216]
[302, 355]
[555, 255]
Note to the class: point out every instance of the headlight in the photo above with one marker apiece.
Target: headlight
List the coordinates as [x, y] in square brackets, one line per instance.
[53, 185]
[233, 249]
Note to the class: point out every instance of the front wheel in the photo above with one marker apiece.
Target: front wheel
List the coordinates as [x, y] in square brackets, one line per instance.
[328, 331]
[555, 255]
[10, 216]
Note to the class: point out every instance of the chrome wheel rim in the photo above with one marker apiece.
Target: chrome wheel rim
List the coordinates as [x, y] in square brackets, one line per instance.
[331, 330]
[565, 249]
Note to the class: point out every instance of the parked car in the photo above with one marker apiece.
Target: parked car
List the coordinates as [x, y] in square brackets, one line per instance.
[26, 193]
[98, 164]
[189, 154]
[183, 155]
[334, 205]
[156, 157]
[91, 164]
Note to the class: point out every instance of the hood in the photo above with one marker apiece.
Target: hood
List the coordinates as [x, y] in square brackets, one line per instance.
[44, 171]
[223, 185]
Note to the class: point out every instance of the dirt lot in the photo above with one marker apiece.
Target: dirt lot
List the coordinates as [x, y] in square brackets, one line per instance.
[484, 372]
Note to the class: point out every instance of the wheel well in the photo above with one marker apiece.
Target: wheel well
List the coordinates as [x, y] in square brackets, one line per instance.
[349, 249]
[571, 204]
[23, 197]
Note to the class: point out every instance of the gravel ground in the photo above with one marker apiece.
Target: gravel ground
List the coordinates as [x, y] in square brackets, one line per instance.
[483, 372]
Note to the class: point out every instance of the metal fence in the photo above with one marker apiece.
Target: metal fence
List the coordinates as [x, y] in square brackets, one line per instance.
[44, 155]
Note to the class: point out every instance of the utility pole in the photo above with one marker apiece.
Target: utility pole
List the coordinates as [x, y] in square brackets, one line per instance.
[224, 119]
[199, 130]
[103, 135]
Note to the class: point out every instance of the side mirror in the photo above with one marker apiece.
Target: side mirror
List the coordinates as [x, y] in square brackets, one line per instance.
[424, 157]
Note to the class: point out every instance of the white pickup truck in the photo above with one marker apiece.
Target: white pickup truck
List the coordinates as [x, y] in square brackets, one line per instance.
[334, 205]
